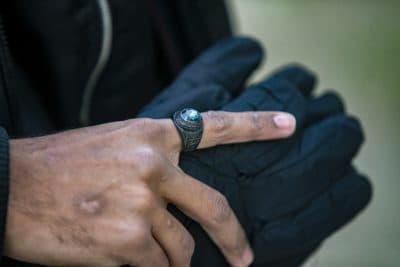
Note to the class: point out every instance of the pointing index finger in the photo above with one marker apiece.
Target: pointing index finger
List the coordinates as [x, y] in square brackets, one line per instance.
[222, 127]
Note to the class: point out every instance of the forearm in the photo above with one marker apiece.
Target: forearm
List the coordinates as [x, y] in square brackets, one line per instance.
[4, 182]
[29, 197]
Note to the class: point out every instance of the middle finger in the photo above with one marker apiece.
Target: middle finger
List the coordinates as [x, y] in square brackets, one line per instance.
[211, 209]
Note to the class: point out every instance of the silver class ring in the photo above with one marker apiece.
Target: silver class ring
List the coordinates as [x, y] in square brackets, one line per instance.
[189, 123]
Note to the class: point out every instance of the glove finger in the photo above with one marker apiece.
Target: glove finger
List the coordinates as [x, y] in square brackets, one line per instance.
[267, 153]
[273, 94]
[301, 77]
[226, 66]
[204, 98]
[310, 226]
[319, 156]
[326, 105]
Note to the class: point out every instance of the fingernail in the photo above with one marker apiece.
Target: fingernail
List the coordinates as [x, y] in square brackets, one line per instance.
[247, 257]
[284, 121]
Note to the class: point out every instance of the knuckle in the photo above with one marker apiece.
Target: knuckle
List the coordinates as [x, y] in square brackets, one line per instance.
[143, 124]
[129, 239]
[147, 161]
[235, 247]
[258, 122]
[219, 121]
[141, 239]
[145, 201]
[146, 153]
[150, 127]
[131, 236]
[219, 209]
[183, 239]
[188, 245]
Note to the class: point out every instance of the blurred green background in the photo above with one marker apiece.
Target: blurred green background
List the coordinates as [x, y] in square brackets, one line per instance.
[354, 47]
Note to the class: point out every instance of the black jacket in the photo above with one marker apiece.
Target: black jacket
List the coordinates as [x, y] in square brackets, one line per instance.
[51, 55]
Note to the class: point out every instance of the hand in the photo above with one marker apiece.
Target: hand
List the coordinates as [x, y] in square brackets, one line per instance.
[276, 207]
[97, 196]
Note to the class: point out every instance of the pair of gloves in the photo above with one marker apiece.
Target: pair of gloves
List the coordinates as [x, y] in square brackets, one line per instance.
[289, 194]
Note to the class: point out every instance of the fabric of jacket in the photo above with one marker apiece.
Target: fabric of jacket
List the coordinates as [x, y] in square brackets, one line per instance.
[49, 51]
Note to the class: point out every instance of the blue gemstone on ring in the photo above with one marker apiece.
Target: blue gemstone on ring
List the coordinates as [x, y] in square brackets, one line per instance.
[190, 115]
[189, 124]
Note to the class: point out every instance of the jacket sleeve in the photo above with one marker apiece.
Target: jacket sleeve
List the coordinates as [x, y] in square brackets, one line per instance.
[4, 183]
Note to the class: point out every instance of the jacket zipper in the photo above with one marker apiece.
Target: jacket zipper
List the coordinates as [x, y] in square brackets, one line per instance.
[103, 58]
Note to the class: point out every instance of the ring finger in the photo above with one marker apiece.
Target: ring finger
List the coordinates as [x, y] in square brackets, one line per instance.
[173, 238]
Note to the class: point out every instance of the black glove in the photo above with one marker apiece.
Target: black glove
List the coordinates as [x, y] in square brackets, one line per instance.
[289, 194]
[211, 81]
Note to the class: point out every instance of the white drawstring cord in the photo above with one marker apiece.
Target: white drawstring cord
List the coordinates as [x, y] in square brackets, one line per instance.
[106, 44]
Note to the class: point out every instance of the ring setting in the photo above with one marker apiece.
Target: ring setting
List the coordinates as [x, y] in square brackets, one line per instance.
[189, 124]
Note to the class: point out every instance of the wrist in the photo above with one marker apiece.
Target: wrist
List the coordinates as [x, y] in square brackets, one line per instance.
[4, 183]
[20, 211]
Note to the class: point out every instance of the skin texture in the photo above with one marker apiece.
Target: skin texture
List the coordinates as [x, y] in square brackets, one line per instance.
[97, 196]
